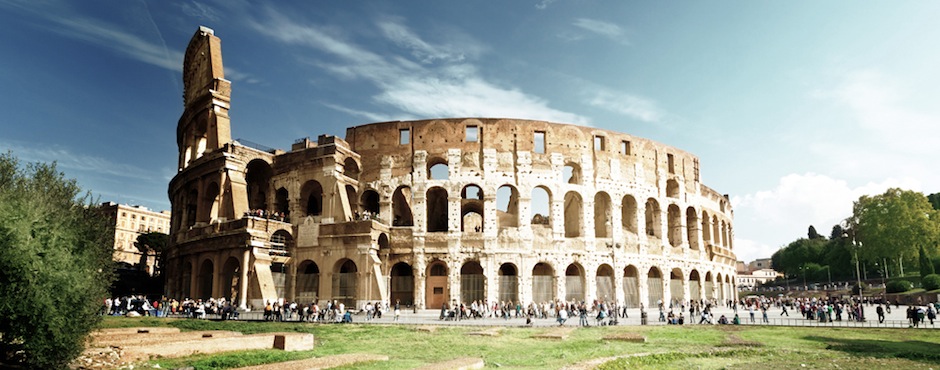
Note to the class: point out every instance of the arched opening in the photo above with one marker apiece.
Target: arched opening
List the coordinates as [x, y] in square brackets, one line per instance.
[541, 206]
[438, 169]
[403, 284]
[282, 201]
[369, 202]
[311, 196]
[672, 188]
[675, 286]
[602, 215]
[691, 225]
[543, 283]
[573, 214]
[507, 206]
[628, 213]
[351, 168]
[574, 283]
[308, 282]
[206, 274]
[401, 207]
[631, 287]
[654, 284]
[344, 282]
[436, 293]
[471, 209]
[472, 283]
[653, 219]
[508, 283]
[192, 200]
[571, 173]
[230, 276]
[437, 210]
[695, 286]
[605, 283]
[721, 288]
[675, 225]
[211, 202]
[709, 286]
[258, 182]
[280, 243]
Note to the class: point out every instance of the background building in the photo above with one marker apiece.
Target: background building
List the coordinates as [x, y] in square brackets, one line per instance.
[437, 211]
[129, 223]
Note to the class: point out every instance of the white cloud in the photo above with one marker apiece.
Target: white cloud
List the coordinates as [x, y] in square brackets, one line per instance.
[67, 159]
[200, 10]
[602, 28]
[599, 27]
[629, 105]
[374, 117]
[768, 219]
[453, 89]
[543, 4]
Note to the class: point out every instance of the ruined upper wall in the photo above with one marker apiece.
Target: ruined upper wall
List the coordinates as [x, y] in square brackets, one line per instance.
[617, 156]
[202, 65]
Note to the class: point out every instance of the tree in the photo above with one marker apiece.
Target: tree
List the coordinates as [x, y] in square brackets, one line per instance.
[792, 258]
[812, 234]
[926, 267]
[155, 242]
[934, 200]
[893, 225]
[55, 265]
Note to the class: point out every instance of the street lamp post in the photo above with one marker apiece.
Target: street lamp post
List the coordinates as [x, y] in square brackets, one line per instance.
[858, 275]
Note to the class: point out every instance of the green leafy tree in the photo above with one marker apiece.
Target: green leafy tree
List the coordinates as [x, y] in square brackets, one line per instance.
[934, 200]
[812, 234]
[926, 267]
[55, 265]
[792, 258]
[893, 225]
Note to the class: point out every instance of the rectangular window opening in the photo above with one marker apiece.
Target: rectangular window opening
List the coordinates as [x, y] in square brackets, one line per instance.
[672, 163]
[598, 143]
[404, 136]
[625, 147]
[473, 134]
[540, 142]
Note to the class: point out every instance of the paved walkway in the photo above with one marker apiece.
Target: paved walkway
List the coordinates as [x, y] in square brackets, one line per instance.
[895, 319]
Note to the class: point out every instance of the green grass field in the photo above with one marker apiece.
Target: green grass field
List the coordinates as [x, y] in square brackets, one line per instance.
[666, 347]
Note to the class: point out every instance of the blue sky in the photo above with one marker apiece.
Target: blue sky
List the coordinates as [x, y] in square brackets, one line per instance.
[795, 108]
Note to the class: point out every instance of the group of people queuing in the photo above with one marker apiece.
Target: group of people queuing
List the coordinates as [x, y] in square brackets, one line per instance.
[603, 313]
[138, 305]
[918, 314]
[263, 213]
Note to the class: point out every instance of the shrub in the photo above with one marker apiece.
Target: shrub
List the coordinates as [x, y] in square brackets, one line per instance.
[55, 266]
[898, 286]
[931, 282]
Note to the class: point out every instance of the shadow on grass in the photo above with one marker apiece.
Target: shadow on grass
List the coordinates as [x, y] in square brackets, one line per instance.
[914, 350]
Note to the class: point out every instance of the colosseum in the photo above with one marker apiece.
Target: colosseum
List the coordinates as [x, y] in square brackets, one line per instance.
[435, 211]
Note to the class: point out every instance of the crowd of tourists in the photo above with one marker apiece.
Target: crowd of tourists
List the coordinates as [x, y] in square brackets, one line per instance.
[262, 213]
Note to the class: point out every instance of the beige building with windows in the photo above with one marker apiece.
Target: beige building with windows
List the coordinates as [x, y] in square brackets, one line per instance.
[437, 211]
[129, 223]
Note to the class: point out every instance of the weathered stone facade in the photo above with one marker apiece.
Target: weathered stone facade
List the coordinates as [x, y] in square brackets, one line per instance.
[434, 211]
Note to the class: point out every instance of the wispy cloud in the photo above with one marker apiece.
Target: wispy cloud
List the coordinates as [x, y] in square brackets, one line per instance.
[118, 39]
[68, 159]
[199, 10]
[374, 117]
[543, 4]
[625, 104]
[602, 28]
[450, 87]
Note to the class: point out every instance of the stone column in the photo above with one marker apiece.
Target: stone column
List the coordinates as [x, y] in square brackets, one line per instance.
[243, 280]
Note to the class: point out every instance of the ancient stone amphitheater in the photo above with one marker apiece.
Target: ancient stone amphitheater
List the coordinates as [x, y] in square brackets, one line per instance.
[435, 211]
